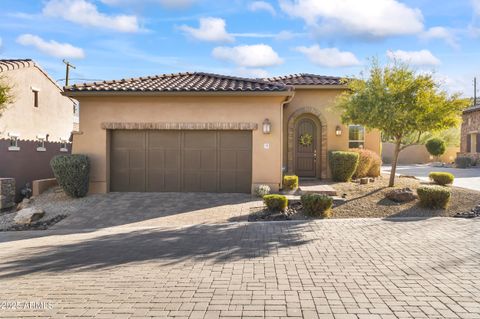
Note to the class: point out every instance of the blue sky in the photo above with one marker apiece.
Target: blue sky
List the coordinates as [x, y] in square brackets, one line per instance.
[113, 39]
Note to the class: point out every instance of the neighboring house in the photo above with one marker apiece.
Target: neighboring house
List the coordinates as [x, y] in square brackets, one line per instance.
[209, 132]
[36, 126]
[470, 138]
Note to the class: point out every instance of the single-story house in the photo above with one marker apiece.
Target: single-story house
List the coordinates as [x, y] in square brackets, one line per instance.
[209, 132]
[470, 134]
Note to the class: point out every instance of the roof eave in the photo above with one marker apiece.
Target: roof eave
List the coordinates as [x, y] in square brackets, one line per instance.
[74, 94]
[321, 87]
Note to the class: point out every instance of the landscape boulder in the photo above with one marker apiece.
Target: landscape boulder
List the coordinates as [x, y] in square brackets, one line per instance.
[28, 215]
[401, 195]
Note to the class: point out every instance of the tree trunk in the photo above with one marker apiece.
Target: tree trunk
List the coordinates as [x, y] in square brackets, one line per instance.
[391, 183]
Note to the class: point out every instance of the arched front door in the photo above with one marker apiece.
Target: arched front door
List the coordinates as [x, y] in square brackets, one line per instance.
[306, 148]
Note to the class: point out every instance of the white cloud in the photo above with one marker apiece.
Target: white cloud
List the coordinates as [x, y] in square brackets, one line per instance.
[374, 18]
[171, 4]
[440, 33]
[262, 6]
[52, 48]
[422, 57]
[476, 6]
[210, 29]
[249, 56]
[86, 13]
[329, 57]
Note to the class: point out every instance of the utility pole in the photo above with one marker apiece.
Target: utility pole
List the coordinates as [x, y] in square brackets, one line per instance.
[475, 91]
[67, 73]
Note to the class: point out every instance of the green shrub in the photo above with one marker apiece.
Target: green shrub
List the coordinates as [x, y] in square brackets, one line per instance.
[434, 196]
[276, 202]
[343, 165]
[369, 163]
[72, 173]
[290, 182]
[463, 162]
[317, 205]
[436, 146]
[441, 178]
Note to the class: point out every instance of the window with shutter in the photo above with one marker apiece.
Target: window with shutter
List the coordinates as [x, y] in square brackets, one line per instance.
[478, 142]
[469, 143]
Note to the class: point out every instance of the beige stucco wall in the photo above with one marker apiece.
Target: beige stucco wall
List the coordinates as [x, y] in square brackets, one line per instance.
[53, 116]
[93, 140]
[323, 101]
[416, 154]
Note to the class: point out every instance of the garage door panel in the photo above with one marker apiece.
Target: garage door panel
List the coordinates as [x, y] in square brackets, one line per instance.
[243, 182]
[192, 159]
[228, 159]
[164, 139]
[244, 160]
[137, 179]
[235, 140]
[195, 161]
[227, 181]
[200, 140]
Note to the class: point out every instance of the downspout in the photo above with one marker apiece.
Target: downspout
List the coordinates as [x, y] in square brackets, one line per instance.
[284, 105]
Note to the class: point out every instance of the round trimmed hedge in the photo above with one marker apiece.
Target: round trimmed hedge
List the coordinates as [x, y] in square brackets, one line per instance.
[436, 146]
[434, 196]
[442, 178]
[72, 173]
[343, 165]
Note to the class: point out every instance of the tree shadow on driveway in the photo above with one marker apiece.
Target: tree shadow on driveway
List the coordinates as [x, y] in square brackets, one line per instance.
[212, 243]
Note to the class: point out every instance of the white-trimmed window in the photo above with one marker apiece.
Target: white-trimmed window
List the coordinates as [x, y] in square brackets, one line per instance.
[63, 146]
[13, 142]
[41, 143]
[356, 136]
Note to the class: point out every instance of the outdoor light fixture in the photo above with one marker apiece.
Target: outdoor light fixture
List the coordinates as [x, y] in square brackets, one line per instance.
[267, 126]
[338, 130]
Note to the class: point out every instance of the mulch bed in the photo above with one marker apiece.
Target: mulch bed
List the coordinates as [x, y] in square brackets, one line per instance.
[368, 200]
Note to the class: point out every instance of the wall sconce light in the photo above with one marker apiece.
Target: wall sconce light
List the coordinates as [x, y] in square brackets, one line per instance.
[266, 126]
[338, 130]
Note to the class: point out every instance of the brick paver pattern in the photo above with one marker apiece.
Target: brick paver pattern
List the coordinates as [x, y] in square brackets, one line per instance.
[359, 268]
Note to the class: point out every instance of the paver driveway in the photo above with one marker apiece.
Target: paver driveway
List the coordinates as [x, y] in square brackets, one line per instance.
[356, 268]
[156, 209]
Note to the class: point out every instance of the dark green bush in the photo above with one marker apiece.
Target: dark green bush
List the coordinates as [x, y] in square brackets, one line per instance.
[72, 173]
[369, 163]
[463, 162]
[343, 165]
[434, 196]
[436, 146]
[441, 178]
[317, 205]
[276, 202]
[290, 182]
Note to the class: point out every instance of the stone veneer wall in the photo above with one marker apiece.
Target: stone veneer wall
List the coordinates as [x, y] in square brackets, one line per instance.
[7, 193]
[470, 124]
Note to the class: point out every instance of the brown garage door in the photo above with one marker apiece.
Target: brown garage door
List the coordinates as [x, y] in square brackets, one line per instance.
[181, 161]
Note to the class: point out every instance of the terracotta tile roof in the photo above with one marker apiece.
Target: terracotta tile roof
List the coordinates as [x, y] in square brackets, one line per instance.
[181, 82]
[306, 79]
[471, 109]
[13, 64]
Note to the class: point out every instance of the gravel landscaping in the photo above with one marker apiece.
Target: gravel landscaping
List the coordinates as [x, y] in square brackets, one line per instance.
[369, 200]
[56, 204]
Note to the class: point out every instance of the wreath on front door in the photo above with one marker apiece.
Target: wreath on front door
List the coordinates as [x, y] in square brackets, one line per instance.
[306, 139]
